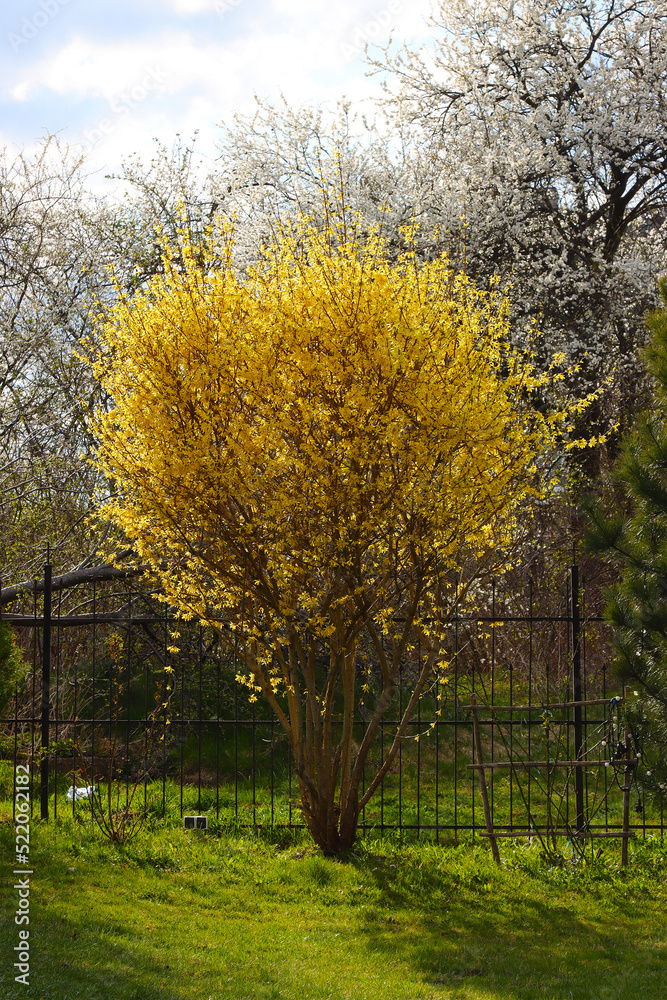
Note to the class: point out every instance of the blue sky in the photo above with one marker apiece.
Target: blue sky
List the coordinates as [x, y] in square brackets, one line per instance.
[111, 76]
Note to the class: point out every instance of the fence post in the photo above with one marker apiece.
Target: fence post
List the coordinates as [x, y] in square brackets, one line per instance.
[46, 690]
[577, 696]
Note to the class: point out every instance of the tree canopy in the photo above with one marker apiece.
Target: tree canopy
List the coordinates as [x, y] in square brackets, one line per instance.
[324, 451]
[531, 137]
[550, 120]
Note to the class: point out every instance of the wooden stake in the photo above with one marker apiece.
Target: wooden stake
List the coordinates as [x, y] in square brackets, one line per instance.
[482, 781]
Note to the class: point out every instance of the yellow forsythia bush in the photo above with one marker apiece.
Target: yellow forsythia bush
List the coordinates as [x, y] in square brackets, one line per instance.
[311, 448]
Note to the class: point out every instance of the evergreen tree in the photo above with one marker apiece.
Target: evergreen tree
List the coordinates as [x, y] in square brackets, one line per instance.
[635, 542]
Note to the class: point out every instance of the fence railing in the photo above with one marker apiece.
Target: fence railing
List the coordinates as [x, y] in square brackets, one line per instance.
[97, 704]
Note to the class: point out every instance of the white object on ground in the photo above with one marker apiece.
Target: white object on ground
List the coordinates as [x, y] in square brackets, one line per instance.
[83, 792]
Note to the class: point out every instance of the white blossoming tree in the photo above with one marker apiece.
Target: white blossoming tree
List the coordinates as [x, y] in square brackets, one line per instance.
[546, 127]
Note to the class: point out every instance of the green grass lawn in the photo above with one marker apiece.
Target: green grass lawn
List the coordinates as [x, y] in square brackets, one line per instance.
[178, 915]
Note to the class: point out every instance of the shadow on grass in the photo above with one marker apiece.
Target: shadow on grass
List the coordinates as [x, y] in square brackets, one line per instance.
[62, 966]
[484, 943]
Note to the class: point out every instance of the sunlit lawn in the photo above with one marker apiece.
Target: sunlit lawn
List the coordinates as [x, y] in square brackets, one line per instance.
[203, 915]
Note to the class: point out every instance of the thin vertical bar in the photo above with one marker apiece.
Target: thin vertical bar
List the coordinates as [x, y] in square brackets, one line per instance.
[128, 676]
[16, 743]
[609, 748]
[217, 732]
[273, 725]
[548, 692]
[511, 739]
[530, 681]
[182, 727]
[200, 653]
[58, 709]
[76, 682]
[568, 725]
[382, 782]
[363, 770]
[16, 735]
[400, 747]
[474, 757]
[254, 767]
[418, 737]
[627, 782]
[16, 726]
[577, 692]
[584, 684]
[456, 716]
[145, 775]
[33, 721]
[289, 784]
[493, 689]
[46, 688]
[236, 740]
[643, 802]
[168, 682]
[437, 708]
[92, 711]
[112, 667]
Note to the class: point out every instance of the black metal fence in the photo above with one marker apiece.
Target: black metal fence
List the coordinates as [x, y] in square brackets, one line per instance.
[105, 699]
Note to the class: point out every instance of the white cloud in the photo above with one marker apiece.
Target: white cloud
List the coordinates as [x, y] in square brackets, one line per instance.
[284, 46]
[114, 96]
[175, 63]
[85, 68]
